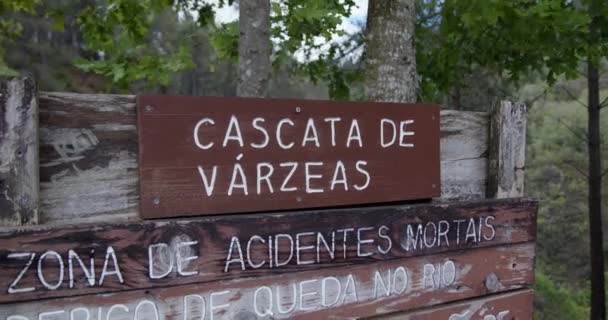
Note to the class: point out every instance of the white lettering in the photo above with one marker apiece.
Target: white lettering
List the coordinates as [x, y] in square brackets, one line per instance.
[310, 128]
[310, 177]
[251, 264]
[392, 124]
[303, 294]
[361, 169]
[208, 186]
[342, 180]
[293, 165]
[332, 122]
[234, 243]
[263, 131]
[196, 134]
[89, 274]
[279, 140]
[354, 134]
[104, 272]
[404, 133]
[11, 288]
[163, 253]
[264, 177]
[213, 306]
[233, 125]
[242, 184]
[41, 274]
[181, 260]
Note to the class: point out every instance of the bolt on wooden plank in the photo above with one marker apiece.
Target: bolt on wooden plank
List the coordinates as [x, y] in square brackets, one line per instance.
[202, 155]
[343, 292]
[62, 261]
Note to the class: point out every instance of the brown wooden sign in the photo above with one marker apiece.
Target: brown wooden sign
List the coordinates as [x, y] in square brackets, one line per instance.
[202, 155]
[363, 290]
[59, 262]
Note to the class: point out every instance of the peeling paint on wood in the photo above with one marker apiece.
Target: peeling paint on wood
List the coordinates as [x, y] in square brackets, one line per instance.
[231, 247]
[19, 174]
[334, 293]
[508, 306]
[88, 157]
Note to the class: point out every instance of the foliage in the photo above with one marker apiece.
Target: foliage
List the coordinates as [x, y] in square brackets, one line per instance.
[120, 29]
[556, 164]
[10, 28]
[553, 302]
[309, 29]
[225, 40]
[513, 38]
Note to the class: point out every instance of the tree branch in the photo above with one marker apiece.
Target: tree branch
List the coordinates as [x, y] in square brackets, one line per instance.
[604, 103]
[577, 169]
[573, 97]
[583, 137]
[536, 98]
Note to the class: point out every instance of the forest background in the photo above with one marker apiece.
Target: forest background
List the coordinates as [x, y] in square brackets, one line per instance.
[191, 48]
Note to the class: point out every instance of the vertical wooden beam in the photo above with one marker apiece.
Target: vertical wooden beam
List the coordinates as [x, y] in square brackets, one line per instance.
[507, 151]
[19, 177]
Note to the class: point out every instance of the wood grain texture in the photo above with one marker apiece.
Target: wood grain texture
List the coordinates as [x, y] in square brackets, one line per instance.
[188, 166]
[317, 294]
[464, 154]
[88, 157]
[507, 157]
[19, 187]
[291, 238]
[89, 164]
[516, 305]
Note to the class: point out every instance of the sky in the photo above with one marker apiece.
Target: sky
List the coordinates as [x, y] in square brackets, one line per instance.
[229, 13]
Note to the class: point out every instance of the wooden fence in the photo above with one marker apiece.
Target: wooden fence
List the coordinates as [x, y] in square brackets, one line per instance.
[69, 185]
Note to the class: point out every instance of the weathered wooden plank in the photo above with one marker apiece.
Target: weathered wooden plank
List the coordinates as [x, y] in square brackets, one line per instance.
[162, 253]
[89, 153]
[507, 153]
[507, 306]
[88, 157]
[211, 155]
[19, 175]
[353, 292]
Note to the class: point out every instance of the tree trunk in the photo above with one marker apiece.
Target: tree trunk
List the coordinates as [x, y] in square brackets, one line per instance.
[390, 57]
[255, 48]
[598, 308]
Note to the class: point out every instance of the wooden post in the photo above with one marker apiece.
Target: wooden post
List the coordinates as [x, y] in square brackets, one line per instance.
[507, 151]
[19, 177]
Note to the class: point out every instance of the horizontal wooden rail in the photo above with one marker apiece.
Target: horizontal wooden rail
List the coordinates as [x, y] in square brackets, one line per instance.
[89, 169]
[342, 293]
[143, 255]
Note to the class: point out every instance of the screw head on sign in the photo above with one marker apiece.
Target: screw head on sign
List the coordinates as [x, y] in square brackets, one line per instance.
[299, 199]
[434, 186]
[298, 109]
[156, 201]
[149, 108]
